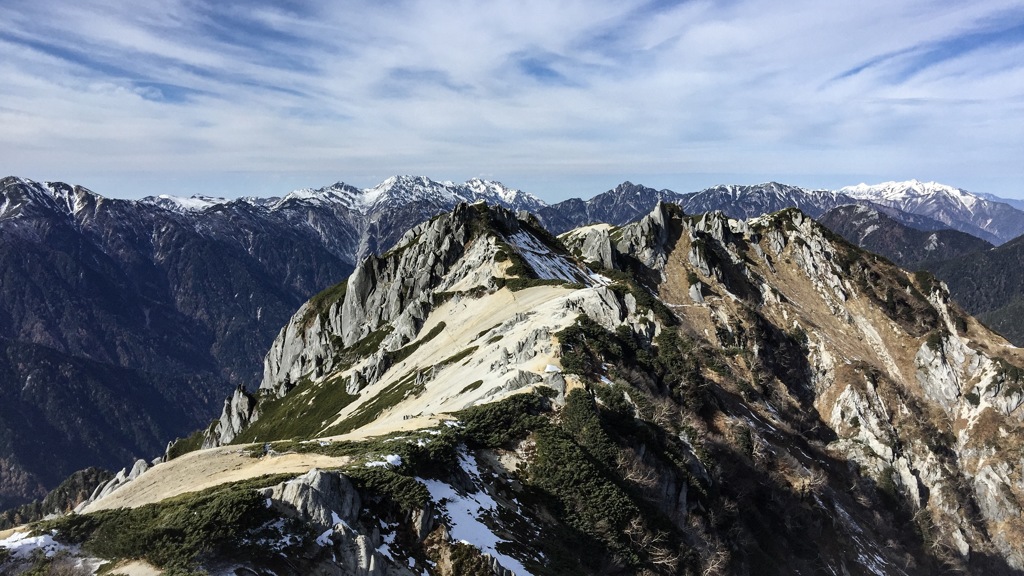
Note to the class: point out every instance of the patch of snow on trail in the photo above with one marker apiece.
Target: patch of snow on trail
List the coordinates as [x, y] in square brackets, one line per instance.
[465, 512]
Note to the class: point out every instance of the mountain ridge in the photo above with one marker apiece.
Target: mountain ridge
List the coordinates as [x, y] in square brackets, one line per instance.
[727, 336]
[157, 256]
[997, 222]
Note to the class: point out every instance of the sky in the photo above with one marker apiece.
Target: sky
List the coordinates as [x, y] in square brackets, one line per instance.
[559, 98]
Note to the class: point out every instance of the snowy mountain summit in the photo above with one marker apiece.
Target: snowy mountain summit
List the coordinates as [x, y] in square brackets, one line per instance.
[393, 191]
[911, 190]
[991, 220]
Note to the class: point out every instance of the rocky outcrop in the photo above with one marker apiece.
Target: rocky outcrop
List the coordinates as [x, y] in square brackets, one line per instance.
[647, 241]
[331, 505]
[324, 499]
[239, 411]
[384, 293]
[120, 479]
[910, 388]
[592, 244]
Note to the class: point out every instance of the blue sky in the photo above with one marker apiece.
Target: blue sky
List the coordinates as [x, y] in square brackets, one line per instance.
[558, 98]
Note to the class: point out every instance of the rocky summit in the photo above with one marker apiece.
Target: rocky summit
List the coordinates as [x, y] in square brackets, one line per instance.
[686, 394]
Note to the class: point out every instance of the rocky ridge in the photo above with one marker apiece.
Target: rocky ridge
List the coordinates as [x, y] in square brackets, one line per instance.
[386, 303]
[729, 391]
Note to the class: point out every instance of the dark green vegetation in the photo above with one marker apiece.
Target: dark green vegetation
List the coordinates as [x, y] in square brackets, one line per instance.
[989, 285]
[471, 386]
[225, 521]
[574, 475]
[302, 413]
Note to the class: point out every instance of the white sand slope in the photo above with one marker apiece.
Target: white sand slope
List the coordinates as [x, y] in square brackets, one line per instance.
[513, 334]
[204, 469]
[512, 344]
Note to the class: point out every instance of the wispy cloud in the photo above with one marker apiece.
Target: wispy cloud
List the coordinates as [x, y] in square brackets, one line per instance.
[257, 97]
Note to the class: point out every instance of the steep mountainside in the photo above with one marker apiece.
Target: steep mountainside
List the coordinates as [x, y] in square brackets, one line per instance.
[724, 397]
[876, 232]
[179, 297]
[991, 285]
[986, 281]
[996, 222]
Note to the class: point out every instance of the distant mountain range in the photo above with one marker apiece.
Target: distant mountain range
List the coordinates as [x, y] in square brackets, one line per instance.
[923, 206]
[183, 296]
[992, 220]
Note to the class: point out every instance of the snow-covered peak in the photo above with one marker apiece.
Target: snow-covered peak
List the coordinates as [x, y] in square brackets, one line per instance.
[402, 189]
[496, 192]
[337, 193]
[899, 190]
[20, 196]
[911, 192]
[974, 214]
[194, 203]
[412, 188]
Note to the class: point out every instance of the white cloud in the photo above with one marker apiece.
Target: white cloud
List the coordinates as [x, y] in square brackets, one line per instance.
[549, 92]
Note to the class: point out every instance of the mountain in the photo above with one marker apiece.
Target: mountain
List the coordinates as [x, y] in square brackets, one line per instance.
[995, 222]
[724, 396]
[628, 202]
[751, 201]
[985, 280]
[876, 232]
[991, 285]
[113, 308]
[625, 203]
[1015, 202]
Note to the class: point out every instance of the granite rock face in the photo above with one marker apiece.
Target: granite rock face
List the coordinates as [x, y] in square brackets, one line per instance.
[922, 399]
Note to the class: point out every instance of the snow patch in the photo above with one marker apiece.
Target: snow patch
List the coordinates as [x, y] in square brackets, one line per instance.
[21, 545]
[547, 264]
[465, 513]
[194, 203]
[393, 460]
